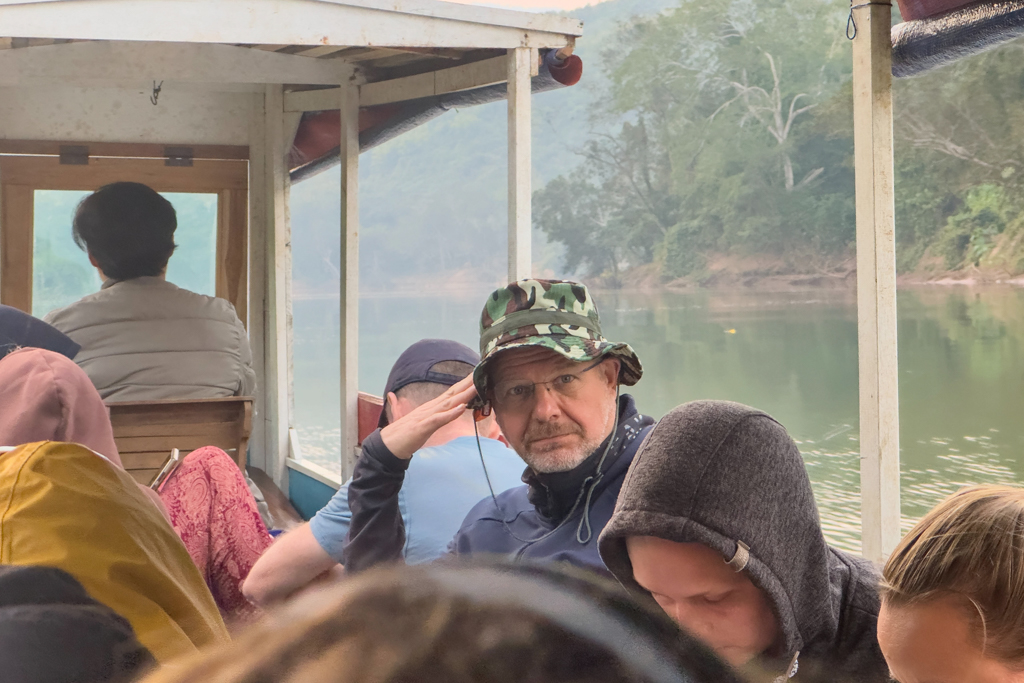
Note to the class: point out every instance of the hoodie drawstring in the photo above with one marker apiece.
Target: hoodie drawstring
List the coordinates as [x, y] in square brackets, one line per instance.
[585, 519]
[596, 479]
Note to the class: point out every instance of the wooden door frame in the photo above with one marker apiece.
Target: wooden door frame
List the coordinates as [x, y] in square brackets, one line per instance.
[20, 176]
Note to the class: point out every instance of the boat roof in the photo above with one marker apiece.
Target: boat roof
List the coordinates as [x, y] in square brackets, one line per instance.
[310, 42]
[394, 50]
[376, 33]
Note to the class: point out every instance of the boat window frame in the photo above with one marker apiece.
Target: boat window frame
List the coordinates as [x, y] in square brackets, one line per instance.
[26, 167]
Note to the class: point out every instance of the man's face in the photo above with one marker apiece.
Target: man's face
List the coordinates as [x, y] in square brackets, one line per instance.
[563, 421]
[931, 642]
[707, 597]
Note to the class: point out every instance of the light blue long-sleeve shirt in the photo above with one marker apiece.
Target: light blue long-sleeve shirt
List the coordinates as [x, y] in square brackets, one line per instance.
[443, 483]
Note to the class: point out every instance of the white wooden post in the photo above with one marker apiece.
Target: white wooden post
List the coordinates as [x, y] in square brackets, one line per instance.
[349, 266]
[257, 308]
[876, 282]
[291, 121]
[270, 279]
[522, 62]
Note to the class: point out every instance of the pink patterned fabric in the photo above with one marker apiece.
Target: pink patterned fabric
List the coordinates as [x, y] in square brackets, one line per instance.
[215, 515]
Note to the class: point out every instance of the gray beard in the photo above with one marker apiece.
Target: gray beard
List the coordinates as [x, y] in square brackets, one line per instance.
[560, 460]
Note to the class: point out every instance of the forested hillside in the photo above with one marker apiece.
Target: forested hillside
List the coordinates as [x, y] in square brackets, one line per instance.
[736, 152]
[704, 139]
[433, 201]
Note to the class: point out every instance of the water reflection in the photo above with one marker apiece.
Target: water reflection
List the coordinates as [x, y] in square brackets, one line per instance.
[793, 355]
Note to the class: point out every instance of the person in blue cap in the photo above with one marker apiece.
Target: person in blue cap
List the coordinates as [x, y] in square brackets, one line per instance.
[445, 479]
[20, 330]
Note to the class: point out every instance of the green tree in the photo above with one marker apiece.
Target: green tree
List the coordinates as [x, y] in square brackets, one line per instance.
[616, 208]
[719, 150]
[959, 153]
[735, 136]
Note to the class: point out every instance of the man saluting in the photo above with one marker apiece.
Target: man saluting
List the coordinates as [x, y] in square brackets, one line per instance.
[552, 381]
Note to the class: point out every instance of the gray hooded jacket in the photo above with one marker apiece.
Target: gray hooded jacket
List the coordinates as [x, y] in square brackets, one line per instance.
[719, 473]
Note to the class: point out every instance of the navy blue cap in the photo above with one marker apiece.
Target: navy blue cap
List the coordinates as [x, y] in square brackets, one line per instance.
[19, 329]
[415, 362]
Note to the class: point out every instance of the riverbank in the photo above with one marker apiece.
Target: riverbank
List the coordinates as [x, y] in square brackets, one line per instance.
[747, 274]
[774, 274]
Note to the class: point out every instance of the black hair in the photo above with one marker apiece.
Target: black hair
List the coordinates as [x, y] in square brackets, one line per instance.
[52, 630]
[128, 228]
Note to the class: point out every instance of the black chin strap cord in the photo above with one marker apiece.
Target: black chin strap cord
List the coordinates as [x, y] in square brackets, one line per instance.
[584, 532]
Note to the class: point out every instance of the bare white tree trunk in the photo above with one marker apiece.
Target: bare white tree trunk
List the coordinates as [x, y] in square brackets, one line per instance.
[769, 110]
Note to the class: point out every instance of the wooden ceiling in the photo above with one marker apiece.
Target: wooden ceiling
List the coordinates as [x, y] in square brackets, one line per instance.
[375, 63]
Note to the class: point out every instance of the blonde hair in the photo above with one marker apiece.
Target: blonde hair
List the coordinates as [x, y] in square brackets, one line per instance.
[454, 624]
[970, 547]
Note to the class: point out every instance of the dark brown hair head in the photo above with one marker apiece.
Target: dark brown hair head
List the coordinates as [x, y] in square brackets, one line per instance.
[128, 228]
[462, 624]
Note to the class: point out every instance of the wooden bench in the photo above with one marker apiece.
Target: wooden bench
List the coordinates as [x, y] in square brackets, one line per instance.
[146, 431]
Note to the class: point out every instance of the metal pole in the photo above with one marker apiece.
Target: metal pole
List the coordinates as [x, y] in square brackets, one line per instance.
[876, 281]
[521, 61]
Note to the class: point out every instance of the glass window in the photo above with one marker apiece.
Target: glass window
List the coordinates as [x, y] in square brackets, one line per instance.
[62, 273]
[388, 321]
[316, 324]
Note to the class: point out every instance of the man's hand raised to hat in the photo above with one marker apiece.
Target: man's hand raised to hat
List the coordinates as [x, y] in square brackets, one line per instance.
[408, 434]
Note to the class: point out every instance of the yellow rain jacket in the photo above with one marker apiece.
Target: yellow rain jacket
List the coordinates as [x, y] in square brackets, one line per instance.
[61, 505]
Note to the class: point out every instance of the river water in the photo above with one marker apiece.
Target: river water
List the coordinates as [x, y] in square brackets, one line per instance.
[793, 355]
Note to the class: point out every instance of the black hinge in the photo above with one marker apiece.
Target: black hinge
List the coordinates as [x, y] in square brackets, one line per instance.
[178, 156]
[74, 155]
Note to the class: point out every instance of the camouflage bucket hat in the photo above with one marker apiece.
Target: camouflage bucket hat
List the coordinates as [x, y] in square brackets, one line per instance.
[555, 314]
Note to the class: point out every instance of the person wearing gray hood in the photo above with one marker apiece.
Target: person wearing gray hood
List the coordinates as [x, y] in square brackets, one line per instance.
[717, 522]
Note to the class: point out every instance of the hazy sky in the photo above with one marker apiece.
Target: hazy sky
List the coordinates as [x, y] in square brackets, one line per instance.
[532, 4]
